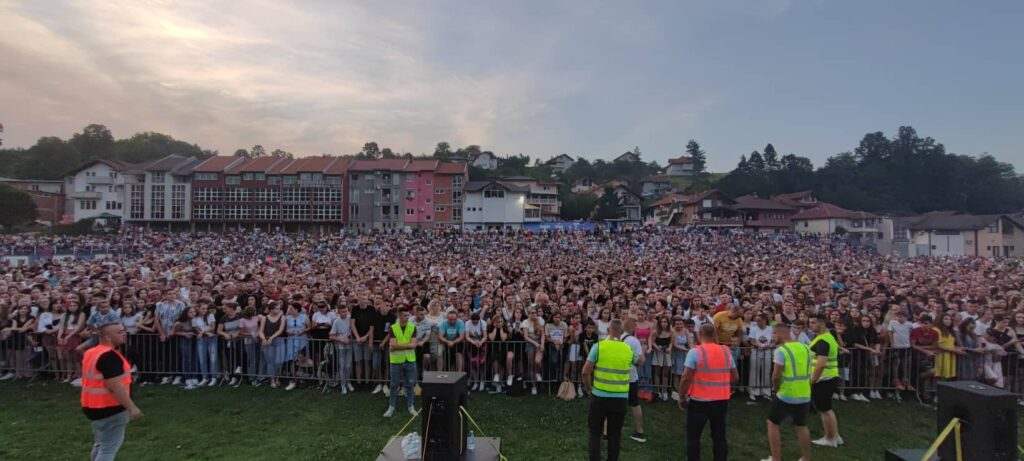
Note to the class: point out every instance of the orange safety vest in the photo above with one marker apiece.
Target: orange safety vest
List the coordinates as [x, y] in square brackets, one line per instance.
[94, 392]
[712, 379]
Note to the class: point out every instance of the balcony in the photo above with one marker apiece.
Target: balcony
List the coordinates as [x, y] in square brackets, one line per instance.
[718, 222]
[85, 195]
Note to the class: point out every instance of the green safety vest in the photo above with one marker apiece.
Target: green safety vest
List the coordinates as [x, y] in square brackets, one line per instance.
[832, 367]
[611, 372]
[402, 337]
[796, 376]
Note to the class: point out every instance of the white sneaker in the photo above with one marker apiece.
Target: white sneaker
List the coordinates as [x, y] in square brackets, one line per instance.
[842, 397]
[344, 390]
[825, 442]
[412, 411]
[233, 382]
[387, 391]
[839, 440]
[201, 383]
[238, 370]
[177, 381]
[377, 389]
[165, 380]
[497, 378]
[876, 395]
[189, 386]
[675, 396]
[509, 380]
[753, 397]
[213, 382]
[538, 376]
[390, 412]
[77, 382]
[7, 376]
[533, 390]
[351, 388]
[134, 369]
[290, 386]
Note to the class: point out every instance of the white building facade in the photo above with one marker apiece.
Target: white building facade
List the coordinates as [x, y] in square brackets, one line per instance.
[96, 190]
[159, 194]
[496, 205]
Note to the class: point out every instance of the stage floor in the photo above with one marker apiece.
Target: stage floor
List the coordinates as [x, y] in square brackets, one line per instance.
[486, 450]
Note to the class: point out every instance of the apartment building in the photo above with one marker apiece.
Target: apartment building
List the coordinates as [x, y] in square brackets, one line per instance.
[543, 195]
[158, 194]
[96, 190]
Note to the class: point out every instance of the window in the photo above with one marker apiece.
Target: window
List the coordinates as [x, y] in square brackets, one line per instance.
[396, 210]
[113, 174]
[457, 214]
[110, 188]
[90, 188]
[439, 209]
[247, 176]
[259, 176]
[157, 176]
[206, 176]
[156, 202]
[290, 180]
[386, 177]
[273, 180]
[410, 194]
[137, 197]
[232, 180]
[354, 210]
[807, 223]
[410, 211]
[489, 193]
[355, 177]
[177, 201]
[87, 204]
[457, 181]
[386, 210]
[438, 191]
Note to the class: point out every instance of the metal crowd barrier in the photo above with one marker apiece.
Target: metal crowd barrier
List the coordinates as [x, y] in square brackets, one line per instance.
[891, 373]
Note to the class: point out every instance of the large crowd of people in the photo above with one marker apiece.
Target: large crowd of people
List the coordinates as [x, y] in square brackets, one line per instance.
[513, 309]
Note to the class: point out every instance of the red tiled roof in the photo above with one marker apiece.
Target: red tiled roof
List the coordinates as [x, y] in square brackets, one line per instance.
[308, 164]
[391, 164]
[830, 211]
[257, 165]
[340, 166]
[669, 200]
[422, 165]
[750, 202]
[217, 164]
[279, 167]
[682, 160]
[452, 168]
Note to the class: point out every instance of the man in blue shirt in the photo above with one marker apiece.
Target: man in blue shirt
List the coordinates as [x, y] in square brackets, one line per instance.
[453, 334]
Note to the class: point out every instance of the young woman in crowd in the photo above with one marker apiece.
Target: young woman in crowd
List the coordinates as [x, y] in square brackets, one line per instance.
[296, 343]
[555, 332]
[533, 332]
[603, 320]
[760, 339]
[249, 330]
[516, 345]
[205, 325]
[660, 344]
[644, 328]
[47, 325]
[147, 339]
[72, 323]
[229, 330]
[341, 336]
[574, 359]
[502, 357]
[131, 318]
[865, 358]
[20, 328]
[271, 329]
[968, 365]
[476, 352]
[186, 336]
[682, 341]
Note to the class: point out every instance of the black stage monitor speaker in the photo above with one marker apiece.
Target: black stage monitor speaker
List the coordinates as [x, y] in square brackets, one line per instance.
[898, 454]
[444, 434]
[989, 415]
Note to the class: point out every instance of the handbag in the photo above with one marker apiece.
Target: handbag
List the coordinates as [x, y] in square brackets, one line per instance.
[645, 395]
[566, 391]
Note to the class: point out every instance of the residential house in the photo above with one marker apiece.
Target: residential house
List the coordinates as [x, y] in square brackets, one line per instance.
[707, 209]
[376, 195]
[629, 157]
[543, 195]
[96, 190]
[582, 186]
[46, 194]
[631, 203]
[954, 234]
[661, 211]
[828, 219]
[497, 205]
[449, 193]
[655, 186]
[486, 160]
[802, 200]
[681, 166]
[764, 215]
[561, 163]
[159, 193]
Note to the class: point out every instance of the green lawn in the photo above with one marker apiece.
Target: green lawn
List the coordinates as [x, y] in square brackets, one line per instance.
[42, 422]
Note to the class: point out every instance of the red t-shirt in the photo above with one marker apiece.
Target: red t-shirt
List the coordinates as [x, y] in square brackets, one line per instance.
[924, 336]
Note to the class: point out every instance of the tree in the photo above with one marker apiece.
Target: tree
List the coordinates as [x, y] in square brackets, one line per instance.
[387, 153]
[756, 162]
[699, 156]
[443, 151]
[242, 153]
[95, 141]
[608, 206]
[771, 158]
[578, 206]
[257, 151]
[49, 158]
[149, 146]
[280, 153]
[1, 132]
[17, 205]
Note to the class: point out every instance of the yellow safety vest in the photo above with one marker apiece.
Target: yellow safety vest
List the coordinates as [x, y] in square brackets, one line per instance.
[796, 376]
[832, 366]
[611, 372]
[402, 337]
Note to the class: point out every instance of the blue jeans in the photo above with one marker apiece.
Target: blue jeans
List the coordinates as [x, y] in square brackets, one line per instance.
[206, 349]
[107, 436]
[186, 350]
[343, 354]
[403, 375]
[271, 358]
[252, 356]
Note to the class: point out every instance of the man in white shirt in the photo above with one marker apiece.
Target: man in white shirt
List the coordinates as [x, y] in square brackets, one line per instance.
[638, 360]
[899, 339]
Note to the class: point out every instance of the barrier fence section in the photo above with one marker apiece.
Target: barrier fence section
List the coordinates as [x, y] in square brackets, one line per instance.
[492, 366]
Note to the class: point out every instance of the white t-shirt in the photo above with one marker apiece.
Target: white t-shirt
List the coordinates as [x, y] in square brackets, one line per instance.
[762, 337]
[634, 344]
[900, 333]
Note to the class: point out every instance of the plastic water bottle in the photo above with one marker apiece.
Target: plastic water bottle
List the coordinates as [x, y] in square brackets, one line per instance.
[471, 441]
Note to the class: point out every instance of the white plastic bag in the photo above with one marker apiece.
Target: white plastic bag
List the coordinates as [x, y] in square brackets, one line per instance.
[411, 446]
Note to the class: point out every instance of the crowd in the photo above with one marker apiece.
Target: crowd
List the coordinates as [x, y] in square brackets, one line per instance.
[515, 310]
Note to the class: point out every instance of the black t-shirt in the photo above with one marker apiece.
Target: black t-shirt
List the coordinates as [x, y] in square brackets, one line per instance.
[380, 324]
[363, 318]
[820, 348]
[110, 366]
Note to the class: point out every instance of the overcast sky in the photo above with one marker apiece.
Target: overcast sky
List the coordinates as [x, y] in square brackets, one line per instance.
[584, 78]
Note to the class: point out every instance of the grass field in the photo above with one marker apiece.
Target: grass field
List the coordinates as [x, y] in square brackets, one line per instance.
[42, 422]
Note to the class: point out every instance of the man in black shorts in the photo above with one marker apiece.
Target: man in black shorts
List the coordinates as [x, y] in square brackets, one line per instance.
[825, 380]
[791, 378]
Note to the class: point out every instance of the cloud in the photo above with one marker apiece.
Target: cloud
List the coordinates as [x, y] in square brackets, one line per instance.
[309, 81]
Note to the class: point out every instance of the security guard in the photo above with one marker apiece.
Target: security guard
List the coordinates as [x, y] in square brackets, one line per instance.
[402, 357]
[608, 364]
[106, 392]
[791, 377]
[704, 391]
[825, 380]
